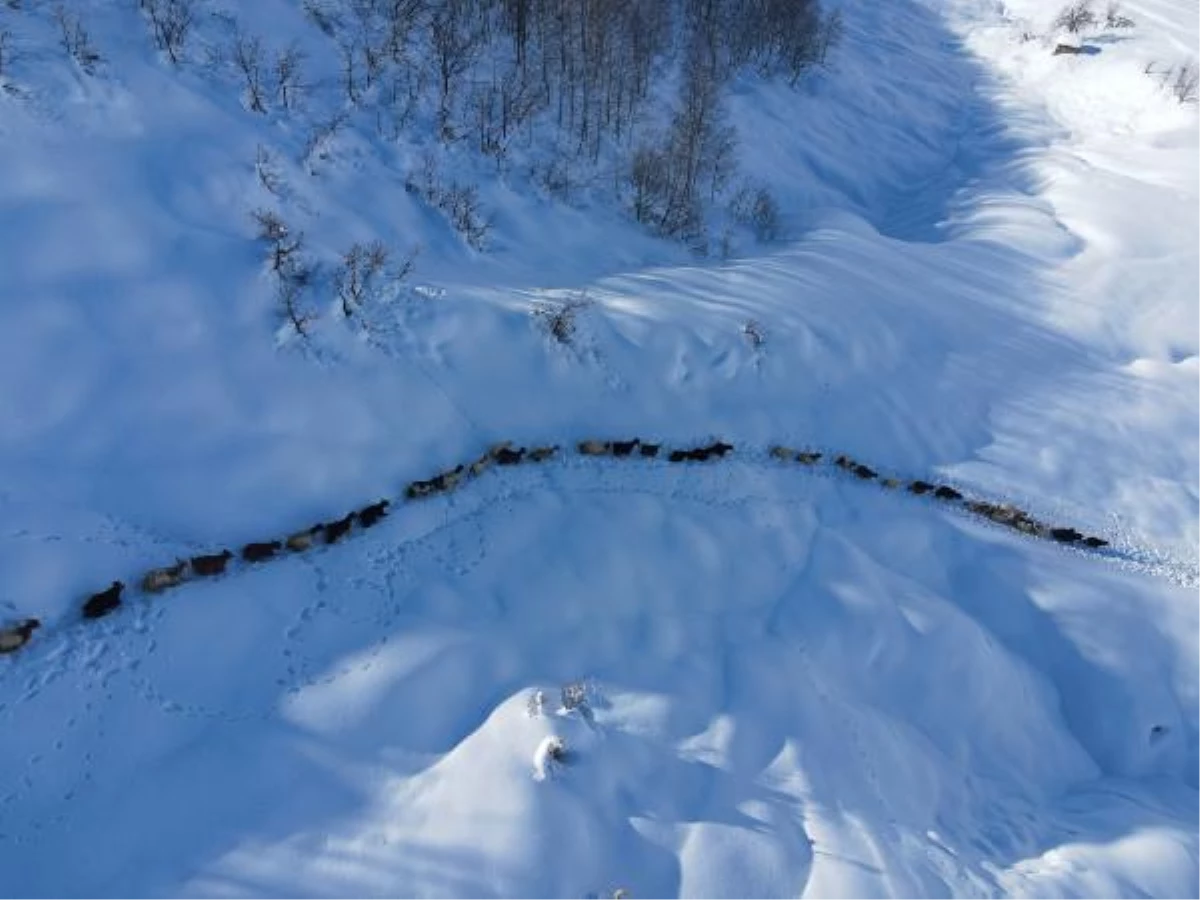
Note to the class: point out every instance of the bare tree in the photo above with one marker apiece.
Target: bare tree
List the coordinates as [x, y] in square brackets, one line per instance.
[6, 52]
[289, 293]
[1184, 87]
[455, 41]
[247, 57]
[75, 39]
[283, 245]
[359, 274]
[288, 85]
[267, 171]
[1077, 17]
[171, 22]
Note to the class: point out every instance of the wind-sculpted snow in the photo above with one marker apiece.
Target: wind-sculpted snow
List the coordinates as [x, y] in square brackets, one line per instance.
[800, 680]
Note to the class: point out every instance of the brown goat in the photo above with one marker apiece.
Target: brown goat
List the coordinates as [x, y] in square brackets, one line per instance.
[157, 580]
[14, 637]
[261, 550]
[809, 458]
[302, 540]
[787, 454]
[541, 454]
[213, 564]
[104, 602]
[595, 448]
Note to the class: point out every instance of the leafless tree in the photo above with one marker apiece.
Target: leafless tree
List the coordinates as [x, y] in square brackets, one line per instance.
[247, 58]
[75, 39]
[171, 23]
[1078, 16]
[289, 87]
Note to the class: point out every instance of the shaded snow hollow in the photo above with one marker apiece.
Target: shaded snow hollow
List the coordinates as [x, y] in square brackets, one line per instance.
[801, 686]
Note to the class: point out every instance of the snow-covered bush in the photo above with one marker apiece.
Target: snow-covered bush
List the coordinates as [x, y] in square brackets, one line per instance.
[1077, 17]
[550, 754]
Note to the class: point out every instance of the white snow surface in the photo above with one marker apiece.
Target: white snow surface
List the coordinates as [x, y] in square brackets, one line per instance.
[803, 685]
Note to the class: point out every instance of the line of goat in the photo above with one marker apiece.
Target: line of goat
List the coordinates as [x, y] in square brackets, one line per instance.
[17, 635]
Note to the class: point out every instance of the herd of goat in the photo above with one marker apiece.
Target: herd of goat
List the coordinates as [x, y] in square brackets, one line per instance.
[15, 636]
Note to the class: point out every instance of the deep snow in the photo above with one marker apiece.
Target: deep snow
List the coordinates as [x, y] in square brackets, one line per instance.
[803, 685]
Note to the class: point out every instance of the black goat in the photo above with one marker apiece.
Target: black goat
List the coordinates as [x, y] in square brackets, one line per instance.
[213, 564]
[947, 493]
[719, 448]
[104, 602]
[920, 487]
[258, 551]
[370, 515]
[1095, 543]
[506, 457]
[650, 450]
[624, 448]
[1066, 535]
[338, 529]
[864, 472]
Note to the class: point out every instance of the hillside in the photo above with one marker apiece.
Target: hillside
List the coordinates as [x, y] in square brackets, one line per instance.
[798, 683]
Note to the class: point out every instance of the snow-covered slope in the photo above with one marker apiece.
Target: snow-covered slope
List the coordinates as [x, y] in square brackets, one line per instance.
[799, 684]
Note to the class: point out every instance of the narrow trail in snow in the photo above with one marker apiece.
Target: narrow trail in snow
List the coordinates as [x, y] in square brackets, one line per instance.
[1117, 550]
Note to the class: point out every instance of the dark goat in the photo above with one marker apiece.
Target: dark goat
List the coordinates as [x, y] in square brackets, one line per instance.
[1095, 543]
[864, 472]
[338, 529]
[624, 448]
[506, 457]
[1065, 535]
[213, 564]
[787, 454]
[719, 448]
[808, 458]
[920, 487]
[541, 454]
[17, 636]
[370, 515]
[844, 462]
[302, 540]
[947, 493]
[679, 455]
[157, 580]
[650, 449]
[103, 603]
[258, 551]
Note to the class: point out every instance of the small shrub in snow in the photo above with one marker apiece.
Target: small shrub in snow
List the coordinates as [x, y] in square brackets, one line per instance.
[364, 275]
[5, 51]
[1184, 85]
[574, 696]
[536, 704]
[558, 319]
[550, 754]
[75, 40]
[1114, 18]
[283, 245]
[267, 170]
[1077, 17]
[319, 142]
[754, 334]
[757, 209]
